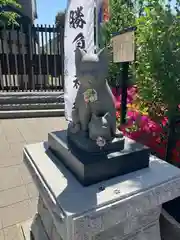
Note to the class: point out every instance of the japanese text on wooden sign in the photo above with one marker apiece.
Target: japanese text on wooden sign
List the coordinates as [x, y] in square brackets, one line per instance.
[123, 47]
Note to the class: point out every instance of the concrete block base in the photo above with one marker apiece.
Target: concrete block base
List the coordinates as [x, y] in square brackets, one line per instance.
[123, 208]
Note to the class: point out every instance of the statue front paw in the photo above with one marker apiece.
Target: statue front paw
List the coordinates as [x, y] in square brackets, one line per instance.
[74, 127]
[119, 134]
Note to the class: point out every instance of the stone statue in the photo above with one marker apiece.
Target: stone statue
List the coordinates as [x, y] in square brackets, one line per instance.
[91, 147]
[94, 112]
[100, 126]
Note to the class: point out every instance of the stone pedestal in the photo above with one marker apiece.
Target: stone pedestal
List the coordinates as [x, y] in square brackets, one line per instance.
[120, 157]
[170, 228]
[123, 208]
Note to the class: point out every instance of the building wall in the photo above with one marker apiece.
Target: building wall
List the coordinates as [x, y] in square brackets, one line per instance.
[28, 8]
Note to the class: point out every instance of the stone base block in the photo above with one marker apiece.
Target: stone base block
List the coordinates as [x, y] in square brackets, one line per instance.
[80, 141]
[152, 232]
[91, 168]
[143, 226]
[170, 228]
[38, 230]
[123, 208]
[46, 218]
[47, 221]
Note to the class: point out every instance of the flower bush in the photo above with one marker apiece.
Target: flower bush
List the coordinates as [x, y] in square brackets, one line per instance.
[156, 67]
[142, 128]
[155, 70]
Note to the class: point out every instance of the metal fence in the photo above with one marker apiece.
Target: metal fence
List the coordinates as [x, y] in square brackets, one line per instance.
[31, 58]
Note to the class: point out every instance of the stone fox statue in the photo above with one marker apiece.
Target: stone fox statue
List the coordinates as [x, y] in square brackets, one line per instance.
[94, 97]
[100, 126]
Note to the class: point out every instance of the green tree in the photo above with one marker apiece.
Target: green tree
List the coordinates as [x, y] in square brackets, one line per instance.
[158, 55]
[8, 17]
[60, 24]
[60, 19]
[122, 16]
[156, 69]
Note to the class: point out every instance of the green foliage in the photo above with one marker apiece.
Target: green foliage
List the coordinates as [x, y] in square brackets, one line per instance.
[60, 19]
[122, 16]
[158, 55]
[8, 17]
[157, 66]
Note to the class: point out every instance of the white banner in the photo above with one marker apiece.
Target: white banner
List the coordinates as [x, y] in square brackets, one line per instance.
[79, 32]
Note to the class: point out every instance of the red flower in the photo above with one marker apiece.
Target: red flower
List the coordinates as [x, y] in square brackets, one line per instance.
[149, 133]
[117, 114]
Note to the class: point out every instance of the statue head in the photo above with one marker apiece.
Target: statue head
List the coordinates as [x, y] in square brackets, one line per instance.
[91, 69]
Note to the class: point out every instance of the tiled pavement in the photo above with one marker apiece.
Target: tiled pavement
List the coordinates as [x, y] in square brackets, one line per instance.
[18, 195]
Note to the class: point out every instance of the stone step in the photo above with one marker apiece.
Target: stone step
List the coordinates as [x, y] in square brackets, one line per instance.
[31, 113]
[31, 99]
[33, 106]
[32, 93]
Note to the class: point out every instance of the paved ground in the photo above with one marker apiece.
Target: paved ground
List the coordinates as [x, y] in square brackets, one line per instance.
[18, 195]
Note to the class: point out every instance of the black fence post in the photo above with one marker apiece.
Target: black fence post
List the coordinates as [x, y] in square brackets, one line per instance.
[62, 55]
[30, 59]
[170, 143]
[31, 65]
[173, 137]
[29, 62]
[125, 70]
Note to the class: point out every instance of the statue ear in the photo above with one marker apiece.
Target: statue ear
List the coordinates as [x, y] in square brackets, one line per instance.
[107, 115]
[79, 53]
[102, 54]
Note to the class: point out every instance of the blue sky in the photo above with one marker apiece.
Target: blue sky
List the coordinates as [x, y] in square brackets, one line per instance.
[47, 10]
